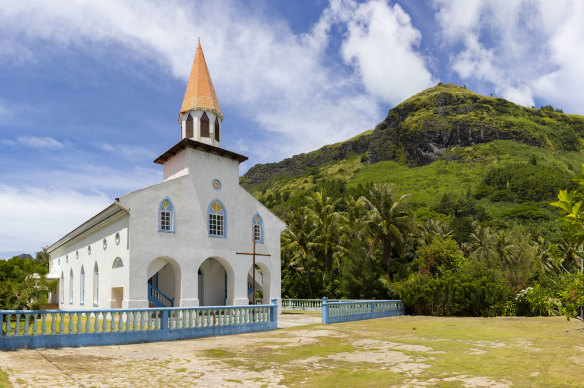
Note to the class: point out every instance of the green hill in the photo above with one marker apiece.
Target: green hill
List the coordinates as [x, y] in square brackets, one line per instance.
[443, 145]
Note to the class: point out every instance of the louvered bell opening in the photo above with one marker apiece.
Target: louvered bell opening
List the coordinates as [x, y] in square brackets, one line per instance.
[217, 129]
[204, 125]
[189, 127]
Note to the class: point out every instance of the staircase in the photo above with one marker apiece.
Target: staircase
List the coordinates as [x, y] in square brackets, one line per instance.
[158, 299]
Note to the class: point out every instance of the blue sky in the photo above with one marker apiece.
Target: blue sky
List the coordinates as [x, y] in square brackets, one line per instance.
[90, 91]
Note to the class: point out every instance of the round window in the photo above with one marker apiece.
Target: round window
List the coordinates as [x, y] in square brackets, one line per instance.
[216, 185]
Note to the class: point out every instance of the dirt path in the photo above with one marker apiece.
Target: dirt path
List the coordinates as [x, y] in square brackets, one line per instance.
[177, 363]
[400, 352]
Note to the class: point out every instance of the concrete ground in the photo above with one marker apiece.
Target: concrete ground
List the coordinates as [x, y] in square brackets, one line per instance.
[169, 364]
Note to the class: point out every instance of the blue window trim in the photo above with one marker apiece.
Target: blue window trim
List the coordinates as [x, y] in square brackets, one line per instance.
[218, 182]
[82, 286]
[160, 208]
[260, 222]
[95, 279]
[222, 212]
[71, 289]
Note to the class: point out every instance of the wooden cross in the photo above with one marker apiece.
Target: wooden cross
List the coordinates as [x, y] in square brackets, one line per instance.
[254, 254]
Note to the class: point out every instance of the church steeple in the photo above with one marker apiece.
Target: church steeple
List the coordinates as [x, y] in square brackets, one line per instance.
[200, 114]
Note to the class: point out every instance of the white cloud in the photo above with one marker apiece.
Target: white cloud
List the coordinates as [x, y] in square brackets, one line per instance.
[41, 216]
[382, 44]
[280, 80]
[522, 49]
[40, 142]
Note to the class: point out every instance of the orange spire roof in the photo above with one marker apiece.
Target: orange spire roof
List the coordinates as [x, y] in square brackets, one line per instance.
[200, 92]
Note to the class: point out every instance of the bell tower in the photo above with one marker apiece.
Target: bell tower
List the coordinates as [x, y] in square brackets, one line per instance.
[200, 115]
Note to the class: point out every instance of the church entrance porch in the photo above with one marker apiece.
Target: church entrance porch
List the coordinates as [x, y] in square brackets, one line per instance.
[215, 281]
[164, 283]
[262, 284]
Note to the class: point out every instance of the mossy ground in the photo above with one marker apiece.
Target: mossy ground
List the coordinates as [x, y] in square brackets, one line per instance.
[451, 351]
[4, 380]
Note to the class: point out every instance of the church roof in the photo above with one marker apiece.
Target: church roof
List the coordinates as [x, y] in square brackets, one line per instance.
[190, 143]
[110, 214]
[200, 93]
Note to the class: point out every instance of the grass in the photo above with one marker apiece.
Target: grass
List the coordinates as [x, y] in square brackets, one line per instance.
[535, 352]
[4, 383]
[461, 171]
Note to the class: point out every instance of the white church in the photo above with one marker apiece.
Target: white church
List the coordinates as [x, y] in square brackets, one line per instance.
[176, 244]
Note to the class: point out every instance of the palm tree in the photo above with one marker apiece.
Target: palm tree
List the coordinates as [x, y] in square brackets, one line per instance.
[296, 241]
[483, 242]
[329, 226]
[388, 221]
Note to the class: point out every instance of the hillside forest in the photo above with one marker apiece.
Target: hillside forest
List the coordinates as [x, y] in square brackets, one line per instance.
[458, 204]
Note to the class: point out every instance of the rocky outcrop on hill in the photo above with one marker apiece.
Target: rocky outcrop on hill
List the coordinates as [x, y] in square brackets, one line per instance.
[419, 130]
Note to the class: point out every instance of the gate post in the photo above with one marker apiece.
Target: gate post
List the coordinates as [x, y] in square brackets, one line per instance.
[164, 320]
[325, 309]
[274, 312]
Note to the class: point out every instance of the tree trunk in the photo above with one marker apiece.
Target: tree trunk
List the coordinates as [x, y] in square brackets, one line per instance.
[329, 264]
[307, 277]
[387, 254]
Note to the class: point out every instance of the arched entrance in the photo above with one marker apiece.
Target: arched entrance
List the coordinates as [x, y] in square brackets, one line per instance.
[262, 283]
[215, 283]
[163, 282]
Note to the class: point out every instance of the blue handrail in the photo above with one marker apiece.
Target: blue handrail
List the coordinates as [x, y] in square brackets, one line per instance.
[158, 298]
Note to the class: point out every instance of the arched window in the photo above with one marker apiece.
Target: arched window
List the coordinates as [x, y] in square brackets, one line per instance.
[217, 219]
[62, 288]
[204, 125]
[189, 126]
[258, 228]
[95, 285]
[118, 263]
[217, 137]
[166, 216]
[82, 286]
[71, 286]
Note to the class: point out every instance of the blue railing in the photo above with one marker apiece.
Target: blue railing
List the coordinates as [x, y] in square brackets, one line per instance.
[334, 312]
[54, 328]
[158, 299]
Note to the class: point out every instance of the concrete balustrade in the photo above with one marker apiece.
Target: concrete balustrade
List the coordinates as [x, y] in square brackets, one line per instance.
[303, 304]
[48, 328]
[343, 311]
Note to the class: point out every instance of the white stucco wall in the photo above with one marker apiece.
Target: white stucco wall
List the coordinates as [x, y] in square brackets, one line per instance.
[64, 259]
[144, 248]
[190, 245]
